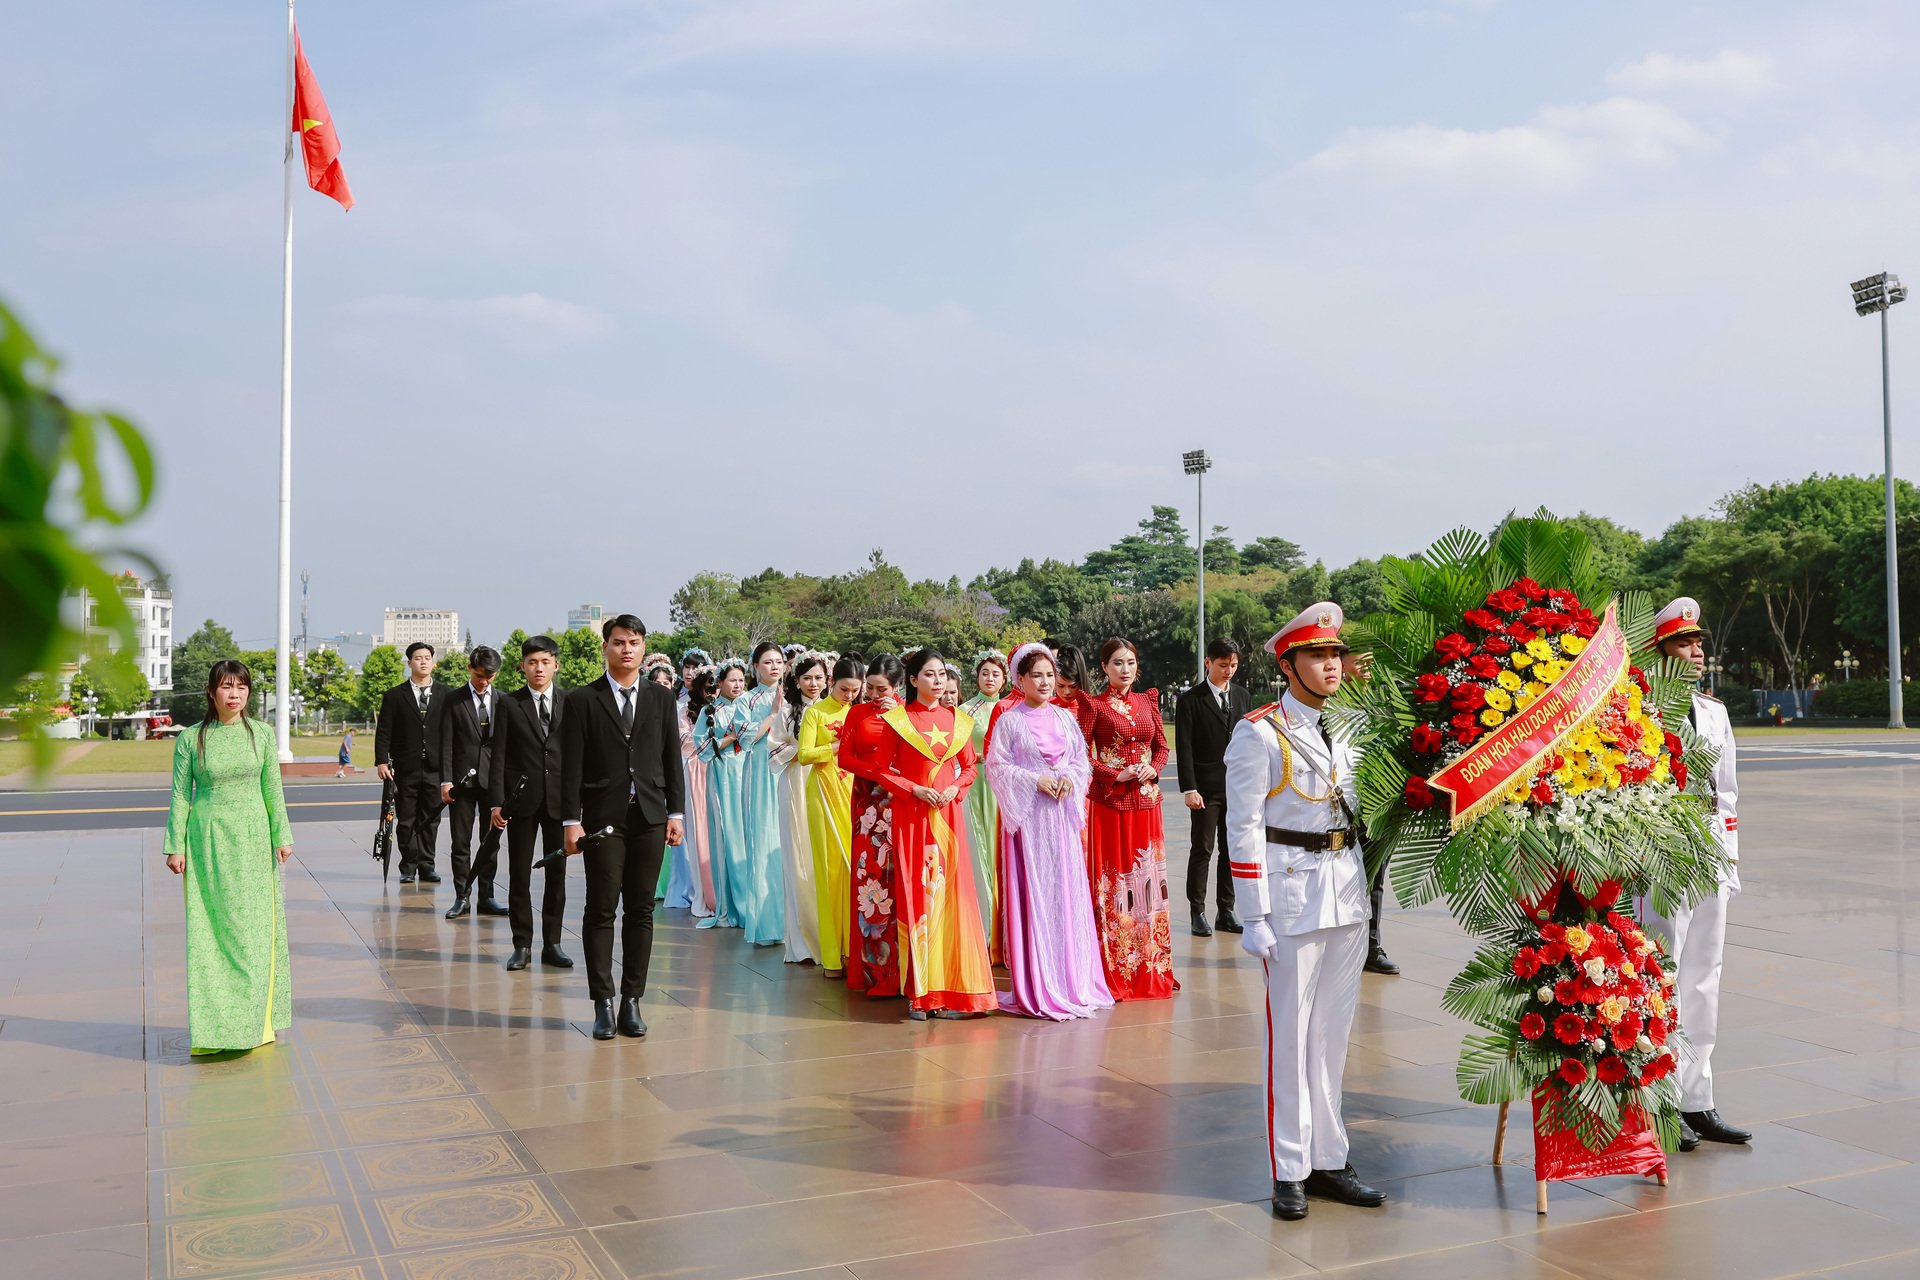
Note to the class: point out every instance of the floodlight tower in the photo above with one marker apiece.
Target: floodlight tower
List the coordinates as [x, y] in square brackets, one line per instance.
[1196, 464]
[1878, 293]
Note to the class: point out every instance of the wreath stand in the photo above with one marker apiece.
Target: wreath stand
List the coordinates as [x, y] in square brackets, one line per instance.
[1562, 1157]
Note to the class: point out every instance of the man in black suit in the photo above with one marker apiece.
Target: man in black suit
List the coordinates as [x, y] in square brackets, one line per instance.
[525, 801]
[406, 749]
[620, 774]
[1203, 720]
[466, 765]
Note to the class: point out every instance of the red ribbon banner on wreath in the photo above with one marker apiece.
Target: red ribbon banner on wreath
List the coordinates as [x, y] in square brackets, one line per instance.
[1512, 752]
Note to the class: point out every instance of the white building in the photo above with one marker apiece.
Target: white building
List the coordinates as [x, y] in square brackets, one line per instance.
[586, 618]
[438, 627]
[151, 604]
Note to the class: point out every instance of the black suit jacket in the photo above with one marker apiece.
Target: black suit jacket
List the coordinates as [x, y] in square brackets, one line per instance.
[527, 764]
[399, 737]
[464, 745]
[1200, 733]
[600, 766]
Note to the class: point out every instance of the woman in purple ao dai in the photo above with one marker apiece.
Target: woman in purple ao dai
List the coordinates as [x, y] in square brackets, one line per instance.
[1037, 763]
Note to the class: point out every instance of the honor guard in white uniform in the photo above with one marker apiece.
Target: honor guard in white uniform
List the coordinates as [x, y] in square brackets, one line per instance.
[1697, 934]
[1300, 889]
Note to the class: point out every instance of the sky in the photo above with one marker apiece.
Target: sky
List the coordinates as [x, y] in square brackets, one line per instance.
[639, 288]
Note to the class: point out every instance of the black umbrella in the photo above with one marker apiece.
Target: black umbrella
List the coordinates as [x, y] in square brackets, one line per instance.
[383, 836]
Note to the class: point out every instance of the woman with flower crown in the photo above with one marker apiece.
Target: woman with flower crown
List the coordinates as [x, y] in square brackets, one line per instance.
[983, 816]
[759, 896]
[716, 736]
[805, 685]
[830, 810]
[1038, 764]
[697, 670]
[873, 960]
[1126, 850]
[925, 761]
[675, 888]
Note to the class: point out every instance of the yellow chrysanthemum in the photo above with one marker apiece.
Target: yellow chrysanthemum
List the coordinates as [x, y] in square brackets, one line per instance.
[1520, 658]
[1535, 688]
[1548, 672]
[1540, 650]
[1491, 718]
[1507, 680]
[1498, 700]
[1572, 645]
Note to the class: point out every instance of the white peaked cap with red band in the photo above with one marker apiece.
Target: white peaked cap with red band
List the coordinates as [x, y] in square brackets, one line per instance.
[1317, 624]
[1681, 618]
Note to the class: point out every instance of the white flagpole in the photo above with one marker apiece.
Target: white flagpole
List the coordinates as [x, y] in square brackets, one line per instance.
[282, 652]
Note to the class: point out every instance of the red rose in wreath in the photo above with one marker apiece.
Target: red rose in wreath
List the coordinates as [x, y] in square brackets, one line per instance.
[1427, 739]
[1482, 667]
[1496, 645]
[1452, 647]
[1506, 600]
[1467, 697]
[1431, 687]
[1418, 794]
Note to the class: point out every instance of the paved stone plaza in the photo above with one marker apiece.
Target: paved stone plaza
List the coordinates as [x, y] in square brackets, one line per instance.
[432, 1116]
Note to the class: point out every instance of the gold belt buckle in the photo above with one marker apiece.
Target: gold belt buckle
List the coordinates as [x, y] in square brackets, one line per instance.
[1336, 841]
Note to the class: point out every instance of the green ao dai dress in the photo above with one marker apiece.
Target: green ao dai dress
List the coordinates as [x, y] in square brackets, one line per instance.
[228, 815]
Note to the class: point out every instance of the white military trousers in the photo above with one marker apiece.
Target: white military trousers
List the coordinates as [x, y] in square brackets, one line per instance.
[1313, 984]
[1697, 944]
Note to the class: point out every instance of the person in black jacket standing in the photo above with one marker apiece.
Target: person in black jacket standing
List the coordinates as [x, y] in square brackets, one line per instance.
[525, 800]
[621, 775]
[1203, 720]
[466, 766]
[406, 749]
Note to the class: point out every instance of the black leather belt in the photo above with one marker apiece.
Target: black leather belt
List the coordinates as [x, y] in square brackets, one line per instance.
[1314, 841]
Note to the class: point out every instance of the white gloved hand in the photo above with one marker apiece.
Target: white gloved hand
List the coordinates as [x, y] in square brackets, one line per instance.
[1256, 937]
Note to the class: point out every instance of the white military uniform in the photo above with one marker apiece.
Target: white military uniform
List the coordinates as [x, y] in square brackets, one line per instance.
[1697, 934]
[1281, 772]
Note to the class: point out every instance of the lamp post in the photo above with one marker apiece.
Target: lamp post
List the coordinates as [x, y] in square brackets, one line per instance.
[1196, 463]
[91, 703]
[1846, 662]
[1714, 668]
[1878, 293]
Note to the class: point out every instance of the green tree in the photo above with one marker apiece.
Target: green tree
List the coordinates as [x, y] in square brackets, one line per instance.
[55, 498]
[510, 678]
[1359, 589]
[34, 701]
[580, 660]
[383, 669]
[1153, 622]
[115, 679]
[193, 659]
[1049, 593]
[1222, 555]
[327, 683]
[1271, 553]
[450, 669]
[1159, 555]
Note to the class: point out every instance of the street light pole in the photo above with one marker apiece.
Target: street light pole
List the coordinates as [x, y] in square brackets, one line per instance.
[1195, 462]
[1879, 293]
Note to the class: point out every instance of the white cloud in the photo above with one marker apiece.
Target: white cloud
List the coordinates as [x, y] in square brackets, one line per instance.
[1731, 73]
[1561, 148]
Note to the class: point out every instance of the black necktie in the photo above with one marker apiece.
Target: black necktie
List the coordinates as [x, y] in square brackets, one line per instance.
[1223, 699]
[626, 710]
[546, 716]
[1325, 737]
[486, 724]
[424, 695]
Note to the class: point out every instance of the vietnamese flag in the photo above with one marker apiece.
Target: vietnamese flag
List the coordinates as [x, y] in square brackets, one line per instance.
[318, 140]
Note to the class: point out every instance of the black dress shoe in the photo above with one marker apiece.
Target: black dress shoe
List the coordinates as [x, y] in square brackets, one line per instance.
[520, 959]
[630, 1023]
[1377, 961]
[553, 955]
[1688, 1138]
[489, 907]
[1343, 1185]
[430, 877]
[407, 877]
[458, 909]
[1227, 922]
[1710, 1126]
[1201, 929]
[1289, 1201]
[603, 1019]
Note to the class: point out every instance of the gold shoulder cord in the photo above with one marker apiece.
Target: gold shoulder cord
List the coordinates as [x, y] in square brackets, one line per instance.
[1286, 771]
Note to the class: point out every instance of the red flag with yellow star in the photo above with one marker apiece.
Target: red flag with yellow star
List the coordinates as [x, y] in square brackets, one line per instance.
[318, 142]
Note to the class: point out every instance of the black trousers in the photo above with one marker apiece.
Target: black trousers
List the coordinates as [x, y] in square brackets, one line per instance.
[416, 819]
[470, 873]
[553, 904]
[1377, 902]
[1209, 846]
[626, 863]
